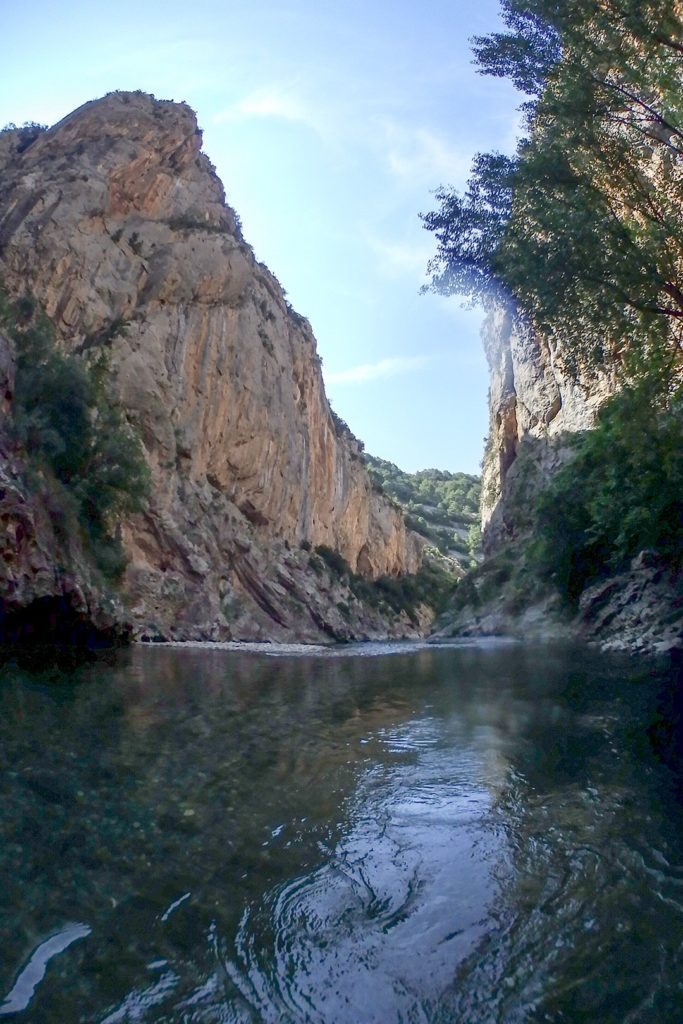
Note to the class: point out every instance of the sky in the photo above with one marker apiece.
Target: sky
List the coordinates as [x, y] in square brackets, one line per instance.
[330, 125]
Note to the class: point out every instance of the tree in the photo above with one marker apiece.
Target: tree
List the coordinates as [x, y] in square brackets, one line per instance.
[582, 230]
[470, 229]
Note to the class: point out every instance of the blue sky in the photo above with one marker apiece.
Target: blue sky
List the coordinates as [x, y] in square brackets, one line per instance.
[330, 125]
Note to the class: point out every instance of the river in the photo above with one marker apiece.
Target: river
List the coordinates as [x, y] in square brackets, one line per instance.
[408, 833]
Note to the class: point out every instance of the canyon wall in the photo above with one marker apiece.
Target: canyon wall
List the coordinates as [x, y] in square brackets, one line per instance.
[116, 222]
[535, 406]
[533, 402]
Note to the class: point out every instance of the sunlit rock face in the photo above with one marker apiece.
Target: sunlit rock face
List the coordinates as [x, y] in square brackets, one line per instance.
[533, 403]
[117, 223]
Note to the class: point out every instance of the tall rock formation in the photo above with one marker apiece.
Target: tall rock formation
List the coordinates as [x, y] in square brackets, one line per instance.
[535, 405]
[115, 221]
[533, 402]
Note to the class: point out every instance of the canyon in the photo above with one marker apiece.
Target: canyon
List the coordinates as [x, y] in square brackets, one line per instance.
[115, 222]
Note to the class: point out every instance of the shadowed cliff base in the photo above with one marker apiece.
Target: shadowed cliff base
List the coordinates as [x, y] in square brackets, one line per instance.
[58, 622]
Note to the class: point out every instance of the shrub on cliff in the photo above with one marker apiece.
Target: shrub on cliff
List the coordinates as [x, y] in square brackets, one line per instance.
[334, 561]
[621, 493]
[74, 434]
[26, 134]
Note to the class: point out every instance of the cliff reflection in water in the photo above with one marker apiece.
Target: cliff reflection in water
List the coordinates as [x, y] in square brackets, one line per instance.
[441, 834]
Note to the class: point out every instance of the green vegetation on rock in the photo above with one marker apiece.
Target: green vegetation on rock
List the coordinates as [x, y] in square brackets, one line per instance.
[442, 507]
[621, 493]
[81, 453]
[432, 585]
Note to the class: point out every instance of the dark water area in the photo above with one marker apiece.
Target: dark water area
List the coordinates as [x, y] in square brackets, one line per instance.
[474, 834]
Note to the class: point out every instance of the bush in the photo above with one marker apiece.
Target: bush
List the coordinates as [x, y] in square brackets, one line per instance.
[64, 418]
[316, 564]
[188, 222]
[27, 133]
[622, 492]
[431, 585]
[334, 561]
[343, 430]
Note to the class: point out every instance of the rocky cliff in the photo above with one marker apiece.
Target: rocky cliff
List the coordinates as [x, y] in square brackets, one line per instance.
[535, 405]
[115, 221]
[533, 401]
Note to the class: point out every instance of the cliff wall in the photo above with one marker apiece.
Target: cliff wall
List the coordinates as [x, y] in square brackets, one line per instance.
[533, 402]
[534, 406]
[115, 221]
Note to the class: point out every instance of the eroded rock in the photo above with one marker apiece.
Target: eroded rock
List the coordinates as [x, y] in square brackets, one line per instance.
[117, 223]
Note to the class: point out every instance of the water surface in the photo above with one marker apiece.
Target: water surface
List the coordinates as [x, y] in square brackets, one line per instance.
[475, 834]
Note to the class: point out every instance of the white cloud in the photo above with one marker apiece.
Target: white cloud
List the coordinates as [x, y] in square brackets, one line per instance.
[270, 103]
[373, 371]
[403, 259]
[420, 157]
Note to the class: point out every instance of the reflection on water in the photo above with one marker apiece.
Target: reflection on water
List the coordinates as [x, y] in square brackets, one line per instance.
[435, 835]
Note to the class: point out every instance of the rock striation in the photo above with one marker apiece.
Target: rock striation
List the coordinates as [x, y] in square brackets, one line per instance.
[116, 222]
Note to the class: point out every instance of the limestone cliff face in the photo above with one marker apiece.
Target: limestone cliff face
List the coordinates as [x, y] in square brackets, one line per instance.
[117, 223]
[533, 402]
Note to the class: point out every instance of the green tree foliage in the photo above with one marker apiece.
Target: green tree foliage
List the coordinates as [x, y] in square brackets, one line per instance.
[622, 492]
[454, 493]
[583, 228]
[528, 52]
[443, 507]
[470, 229]
[73, 433]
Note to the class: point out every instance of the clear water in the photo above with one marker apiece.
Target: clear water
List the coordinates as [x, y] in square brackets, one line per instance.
[476, 834]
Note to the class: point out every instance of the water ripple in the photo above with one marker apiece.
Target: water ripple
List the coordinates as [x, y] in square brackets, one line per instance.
[30, 976]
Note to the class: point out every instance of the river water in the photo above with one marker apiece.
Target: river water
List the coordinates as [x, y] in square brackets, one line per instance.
[482, 833]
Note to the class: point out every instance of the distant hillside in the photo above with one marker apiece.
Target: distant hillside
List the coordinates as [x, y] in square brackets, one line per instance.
[442, 507]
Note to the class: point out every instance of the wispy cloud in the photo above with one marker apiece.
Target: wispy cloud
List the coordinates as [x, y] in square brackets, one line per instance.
[402, 259]
[373, 371]
[421, 157]
[275, 102]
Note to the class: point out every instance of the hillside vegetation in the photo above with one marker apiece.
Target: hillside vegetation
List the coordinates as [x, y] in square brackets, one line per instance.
[442, 507]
